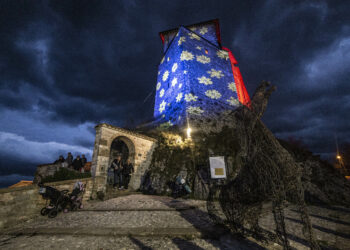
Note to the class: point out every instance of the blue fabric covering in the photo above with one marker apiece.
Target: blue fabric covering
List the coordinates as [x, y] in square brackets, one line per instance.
[195, 78]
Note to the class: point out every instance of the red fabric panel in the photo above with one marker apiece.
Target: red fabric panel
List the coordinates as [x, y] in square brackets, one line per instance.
[241, 90]
[161, 37]
[242, 93]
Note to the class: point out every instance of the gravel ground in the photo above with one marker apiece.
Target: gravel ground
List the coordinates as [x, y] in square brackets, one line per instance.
[139, 201]
[128, 219]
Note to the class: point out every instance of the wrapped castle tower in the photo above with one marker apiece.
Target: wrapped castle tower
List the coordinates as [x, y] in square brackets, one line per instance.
[198, 79]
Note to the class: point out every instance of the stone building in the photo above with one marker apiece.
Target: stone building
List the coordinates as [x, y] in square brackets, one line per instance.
[111, 141]
[198, 81]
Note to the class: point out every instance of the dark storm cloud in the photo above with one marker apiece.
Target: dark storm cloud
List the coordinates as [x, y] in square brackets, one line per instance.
[77, 62]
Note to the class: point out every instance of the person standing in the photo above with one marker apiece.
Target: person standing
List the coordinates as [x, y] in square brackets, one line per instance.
[69, 159]
[83, 160]
[118, 172]
[83, 163]
[60, 160]
[127, 170]
[77, 164]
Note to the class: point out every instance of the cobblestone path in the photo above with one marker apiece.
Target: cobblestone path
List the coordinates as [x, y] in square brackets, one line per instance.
[155, 222]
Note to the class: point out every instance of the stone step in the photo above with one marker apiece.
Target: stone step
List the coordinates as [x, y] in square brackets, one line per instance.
[58, 242]
[115, 193]
[136, 209]
[188, 232]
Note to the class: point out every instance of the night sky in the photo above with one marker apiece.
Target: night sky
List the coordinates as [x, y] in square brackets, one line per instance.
[66, 66]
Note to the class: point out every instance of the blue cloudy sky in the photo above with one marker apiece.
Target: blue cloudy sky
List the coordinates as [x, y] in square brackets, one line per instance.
[66, 66]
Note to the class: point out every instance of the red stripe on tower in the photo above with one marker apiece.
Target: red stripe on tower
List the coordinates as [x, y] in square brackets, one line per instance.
[161, 37]
[242, 93]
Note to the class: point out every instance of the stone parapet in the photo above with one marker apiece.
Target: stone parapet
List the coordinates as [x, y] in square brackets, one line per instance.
[23, 203]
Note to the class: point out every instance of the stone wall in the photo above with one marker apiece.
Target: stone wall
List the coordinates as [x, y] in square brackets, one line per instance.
[45, 170]
[23, 203]
[140, 151]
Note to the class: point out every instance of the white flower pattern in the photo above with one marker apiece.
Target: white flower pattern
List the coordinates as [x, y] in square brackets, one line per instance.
[174, 82]
[180, 85]
[190, 97]
[181, 40]
[161, 93]
[162, 106]
[194, 36]
[179, 97]
[223, 54]
[165, 76]
[203, 59]
[205, 80]
[203, 30]
[215, 73]
[232, 86]
[233, 101]
[173, 69]
[194, 110]
[158, 85]
[213, 94]
[186, 56]
[199, 47]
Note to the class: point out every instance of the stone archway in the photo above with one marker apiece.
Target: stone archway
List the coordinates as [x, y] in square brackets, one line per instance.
[140, 149]
[120, 146]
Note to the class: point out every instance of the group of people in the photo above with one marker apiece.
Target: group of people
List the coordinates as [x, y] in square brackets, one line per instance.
[122, 173]
[76, 164]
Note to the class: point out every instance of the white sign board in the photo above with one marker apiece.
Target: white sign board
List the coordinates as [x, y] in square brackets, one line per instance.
[217, 167]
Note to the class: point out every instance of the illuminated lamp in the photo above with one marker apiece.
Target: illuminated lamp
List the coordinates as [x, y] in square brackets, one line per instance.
[188, 131]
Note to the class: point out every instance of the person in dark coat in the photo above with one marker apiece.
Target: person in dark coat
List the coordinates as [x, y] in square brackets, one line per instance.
[77, 164]
[127, 171]
[83, 160]
[60, 159]
[117, 166]
[69, 159]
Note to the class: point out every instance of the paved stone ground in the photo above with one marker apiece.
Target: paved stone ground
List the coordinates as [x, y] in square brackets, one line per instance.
[331, 226]
[155, 222]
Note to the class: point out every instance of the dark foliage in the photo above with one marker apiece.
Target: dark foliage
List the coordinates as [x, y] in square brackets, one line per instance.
[65, 174]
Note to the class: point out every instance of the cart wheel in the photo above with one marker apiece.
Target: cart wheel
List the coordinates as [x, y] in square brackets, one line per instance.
[44, 211]
[53, 213]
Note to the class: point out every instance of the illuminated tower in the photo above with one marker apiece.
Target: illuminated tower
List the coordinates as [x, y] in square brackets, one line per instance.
[197, 77]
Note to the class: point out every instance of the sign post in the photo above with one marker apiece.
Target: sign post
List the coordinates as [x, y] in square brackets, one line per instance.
[217, 167]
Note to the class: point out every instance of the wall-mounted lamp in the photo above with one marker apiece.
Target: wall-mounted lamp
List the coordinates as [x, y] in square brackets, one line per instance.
[189, 130]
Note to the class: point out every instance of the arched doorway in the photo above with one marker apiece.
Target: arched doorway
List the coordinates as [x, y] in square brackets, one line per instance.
[120, 146]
